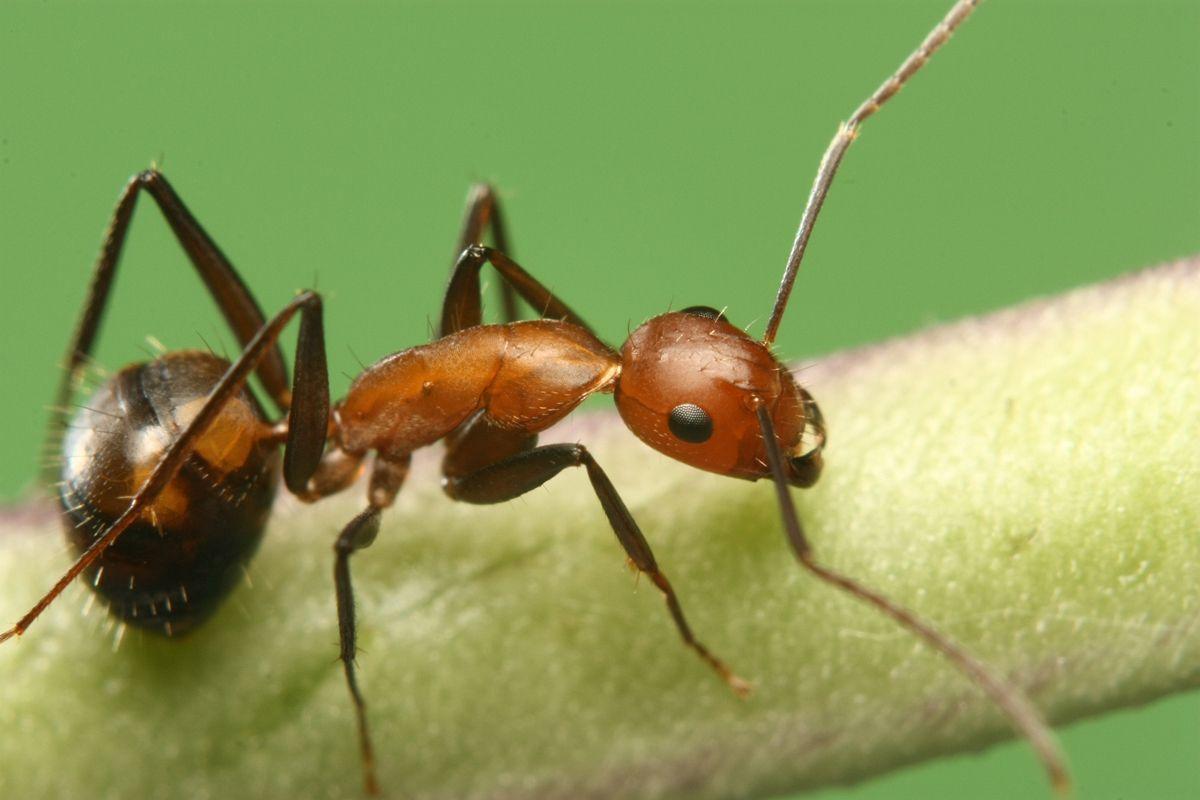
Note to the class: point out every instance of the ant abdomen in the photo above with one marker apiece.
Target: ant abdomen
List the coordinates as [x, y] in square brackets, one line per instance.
[175, 563]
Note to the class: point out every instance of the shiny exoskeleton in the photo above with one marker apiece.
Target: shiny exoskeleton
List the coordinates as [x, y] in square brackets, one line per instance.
[172, 567]
[171, 467]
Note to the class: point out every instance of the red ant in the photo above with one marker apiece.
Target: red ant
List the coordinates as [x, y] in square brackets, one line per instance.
[171, 468]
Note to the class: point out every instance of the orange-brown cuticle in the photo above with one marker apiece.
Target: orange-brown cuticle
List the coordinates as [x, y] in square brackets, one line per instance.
[681, 367]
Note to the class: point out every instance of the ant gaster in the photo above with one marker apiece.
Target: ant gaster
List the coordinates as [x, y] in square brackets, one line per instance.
[171, 468]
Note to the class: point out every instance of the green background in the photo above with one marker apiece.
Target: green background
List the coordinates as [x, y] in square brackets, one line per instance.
[650, 155]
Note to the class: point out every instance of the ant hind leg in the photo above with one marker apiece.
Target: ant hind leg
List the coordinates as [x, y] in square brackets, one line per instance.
[355, 536]
[173, 458]
[234, 299]
[386, 479]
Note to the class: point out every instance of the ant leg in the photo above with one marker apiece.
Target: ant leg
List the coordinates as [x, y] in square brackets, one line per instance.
[358, 534]
[483, 212]
[518, 474]
[1022, 714]
[386, 480]
[337, 471]
[308, 417]
[479, 442]
[462, 309]
[309, 304]
[238, 306]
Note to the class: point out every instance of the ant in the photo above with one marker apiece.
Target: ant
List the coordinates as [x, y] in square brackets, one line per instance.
[171, 467]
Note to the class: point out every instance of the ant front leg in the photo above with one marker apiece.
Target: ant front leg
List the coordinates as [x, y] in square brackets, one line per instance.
[1022, 714]
[514, 476]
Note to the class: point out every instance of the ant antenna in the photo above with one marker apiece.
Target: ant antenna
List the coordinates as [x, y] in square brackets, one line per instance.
[1022, 714]
[846, 134]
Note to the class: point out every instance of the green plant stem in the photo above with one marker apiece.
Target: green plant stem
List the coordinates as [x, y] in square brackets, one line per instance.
[1029, 481]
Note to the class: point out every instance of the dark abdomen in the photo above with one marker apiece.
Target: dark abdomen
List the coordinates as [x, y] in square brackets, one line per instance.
[171, 568]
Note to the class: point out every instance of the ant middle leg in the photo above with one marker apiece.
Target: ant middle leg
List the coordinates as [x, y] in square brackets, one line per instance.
[517, 474]
[462, 307]
[483, 214]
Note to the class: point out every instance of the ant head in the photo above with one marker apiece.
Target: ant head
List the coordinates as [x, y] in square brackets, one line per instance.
[690, 385]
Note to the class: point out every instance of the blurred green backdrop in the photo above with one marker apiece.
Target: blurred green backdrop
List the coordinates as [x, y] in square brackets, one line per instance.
[649, 155]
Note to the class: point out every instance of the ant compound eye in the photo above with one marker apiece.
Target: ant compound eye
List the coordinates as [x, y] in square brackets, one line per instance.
[690, 422]
[704, 311]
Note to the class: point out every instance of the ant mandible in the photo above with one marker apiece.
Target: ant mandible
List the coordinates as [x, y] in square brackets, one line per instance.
[169, 501]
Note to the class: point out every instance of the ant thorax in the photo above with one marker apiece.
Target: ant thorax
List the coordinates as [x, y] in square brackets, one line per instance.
[521, 376]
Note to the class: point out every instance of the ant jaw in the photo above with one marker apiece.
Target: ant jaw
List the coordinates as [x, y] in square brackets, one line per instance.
[803, 471]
